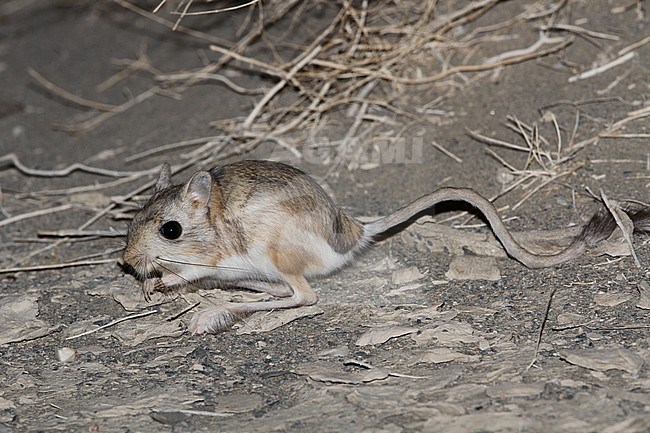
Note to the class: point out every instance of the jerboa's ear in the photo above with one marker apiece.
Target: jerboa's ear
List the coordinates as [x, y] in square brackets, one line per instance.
[198, 188]
[164, 178]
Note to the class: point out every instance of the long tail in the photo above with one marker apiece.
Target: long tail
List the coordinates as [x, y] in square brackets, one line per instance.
[600, 227]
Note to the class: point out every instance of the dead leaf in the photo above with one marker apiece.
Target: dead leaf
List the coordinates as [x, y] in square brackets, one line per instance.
[207, 298]
[331, 373]
[335, 352]
[611, 358]
[473, 268]
[448, 334]
[6, 404]
[403, 289]
[431, 313]
[514, 389]
[374, 398]
[18, 320]
[408, 275]
[129, 295]
[478, 311]
[611, 299]
[488, 422]
[443, 354]
[375, 281]
[382, 335]
[265, 321]
[429, 236]
[633, 424]
[564, 319]
[175, 396]
[464, 392]
[384, 265]
[238, 403]
[134, 332]
[441, 238]
[407, 313]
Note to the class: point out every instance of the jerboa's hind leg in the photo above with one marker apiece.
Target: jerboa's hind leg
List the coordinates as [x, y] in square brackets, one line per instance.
[221, 317]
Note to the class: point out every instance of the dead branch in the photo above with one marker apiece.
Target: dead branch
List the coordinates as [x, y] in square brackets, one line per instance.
[56, 90]
[33, 214]
[55, 266]
[13, 161]
[113, 323]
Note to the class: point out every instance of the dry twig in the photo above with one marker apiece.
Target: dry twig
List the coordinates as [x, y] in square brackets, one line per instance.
[13, 270]
[113, 323]
[541, 329]
[53, 88]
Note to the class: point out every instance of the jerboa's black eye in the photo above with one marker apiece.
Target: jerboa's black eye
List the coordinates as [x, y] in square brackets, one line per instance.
[171, 230]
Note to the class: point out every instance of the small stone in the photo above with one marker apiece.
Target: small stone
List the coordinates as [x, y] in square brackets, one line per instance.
[65, 354]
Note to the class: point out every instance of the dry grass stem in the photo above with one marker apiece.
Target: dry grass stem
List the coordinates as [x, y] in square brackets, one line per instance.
[183, 311]
[541, 329]
[580, 31]
[153, 17]
[56, 90]
[634, 46]
[606, 67]
[621, 135]
[81, 189]
[271, 93]
[80, 128]
[533, 49]
[12, 160]
[113, 323]
[545, 162]
[81, 233]
[199, 412]
[143, 63]
[204, 76]
[34, 214]
[13, 270]
[171, 146]
[186, 13]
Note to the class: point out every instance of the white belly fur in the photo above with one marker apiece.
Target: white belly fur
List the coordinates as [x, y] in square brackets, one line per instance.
[257, 264]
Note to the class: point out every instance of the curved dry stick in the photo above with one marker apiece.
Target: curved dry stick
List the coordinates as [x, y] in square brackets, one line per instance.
[56, 266]
[271, 93]
[13, 219]
[53, 88]
[13, 161]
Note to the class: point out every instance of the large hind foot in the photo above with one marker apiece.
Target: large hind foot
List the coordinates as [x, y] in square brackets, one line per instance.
[211, 320]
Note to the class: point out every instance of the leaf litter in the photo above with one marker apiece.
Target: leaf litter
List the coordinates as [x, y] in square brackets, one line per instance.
[381, 335]
[18, 319]
[604, 359]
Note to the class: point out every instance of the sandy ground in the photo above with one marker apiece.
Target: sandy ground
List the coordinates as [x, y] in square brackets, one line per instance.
[396, 343]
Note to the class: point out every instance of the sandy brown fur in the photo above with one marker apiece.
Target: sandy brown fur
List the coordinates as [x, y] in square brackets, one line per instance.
[296, 193]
